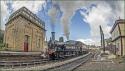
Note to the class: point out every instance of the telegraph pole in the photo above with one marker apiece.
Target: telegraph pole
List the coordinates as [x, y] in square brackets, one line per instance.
[102, 38]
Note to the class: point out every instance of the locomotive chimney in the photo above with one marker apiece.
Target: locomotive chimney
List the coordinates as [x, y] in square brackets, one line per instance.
[53, 36]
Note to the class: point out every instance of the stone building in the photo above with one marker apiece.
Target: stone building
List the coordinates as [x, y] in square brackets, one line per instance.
[24, 31]
[118, 36]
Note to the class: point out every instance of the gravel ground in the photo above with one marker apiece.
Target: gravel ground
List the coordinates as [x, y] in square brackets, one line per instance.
[102, 65]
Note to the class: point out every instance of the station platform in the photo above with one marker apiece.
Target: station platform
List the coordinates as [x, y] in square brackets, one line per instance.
[8, 53]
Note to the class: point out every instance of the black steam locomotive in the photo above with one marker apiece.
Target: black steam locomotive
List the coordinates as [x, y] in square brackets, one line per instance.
[60, 49]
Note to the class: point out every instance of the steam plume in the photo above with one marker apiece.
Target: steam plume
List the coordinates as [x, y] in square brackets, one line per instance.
[68, 8]
[53, 16]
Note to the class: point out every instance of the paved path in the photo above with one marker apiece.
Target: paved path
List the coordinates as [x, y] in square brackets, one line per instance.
[101, 64]
[18, 53]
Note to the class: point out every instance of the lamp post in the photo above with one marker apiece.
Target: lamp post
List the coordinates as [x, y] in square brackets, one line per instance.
[102, 38]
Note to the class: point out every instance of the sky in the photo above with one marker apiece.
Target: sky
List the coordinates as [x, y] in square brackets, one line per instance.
[74, 20]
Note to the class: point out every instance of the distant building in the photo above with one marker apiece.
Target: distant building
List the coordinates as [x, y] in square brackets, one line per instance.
[109, 46]
[118, 36]
[108, 41]
[24, 31]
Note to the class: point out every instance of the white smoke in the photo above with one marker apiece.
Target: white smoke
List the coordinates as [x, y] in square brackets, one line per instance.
[68, 8]
[53, 16]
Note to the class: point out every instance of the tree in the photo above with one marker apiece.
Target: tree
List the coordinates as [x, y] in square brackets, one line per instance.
[1, 36]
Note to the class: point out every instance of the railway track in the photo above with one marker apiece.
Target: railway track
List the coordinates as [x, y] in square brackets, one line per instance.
[28, 63]
[12, 64]
[71, 65]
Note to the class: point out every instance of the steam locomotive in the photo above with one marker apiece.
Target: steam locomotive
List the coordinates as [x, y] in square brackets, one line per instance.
[60, 49]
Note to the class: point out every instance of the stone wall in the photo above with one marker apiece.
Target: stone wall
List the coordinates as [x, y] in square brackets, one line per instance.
[15, 35]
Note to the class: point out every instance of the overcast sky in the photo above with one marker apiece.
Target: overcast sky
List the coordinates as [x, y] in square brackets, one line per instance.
[79, 20]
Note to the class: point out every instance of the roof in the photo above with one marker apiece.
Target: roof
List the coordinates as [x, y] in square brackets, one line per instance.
[116, 23]
[71, 42]
[28, 15]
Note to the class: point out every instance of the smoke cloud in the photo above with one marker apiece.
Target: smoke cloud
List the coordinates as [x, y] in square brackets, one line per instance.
[68, 8]
[53, 16]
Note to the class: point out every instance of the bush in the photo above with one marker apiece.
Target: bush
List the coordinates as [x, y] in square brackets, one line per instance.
[2, 46]
[1, 38]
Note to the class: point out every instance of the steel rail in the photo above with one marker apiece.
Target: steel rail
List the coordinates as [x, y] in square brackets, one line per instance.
[26, 63]
[71, 65]
[12, 64]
